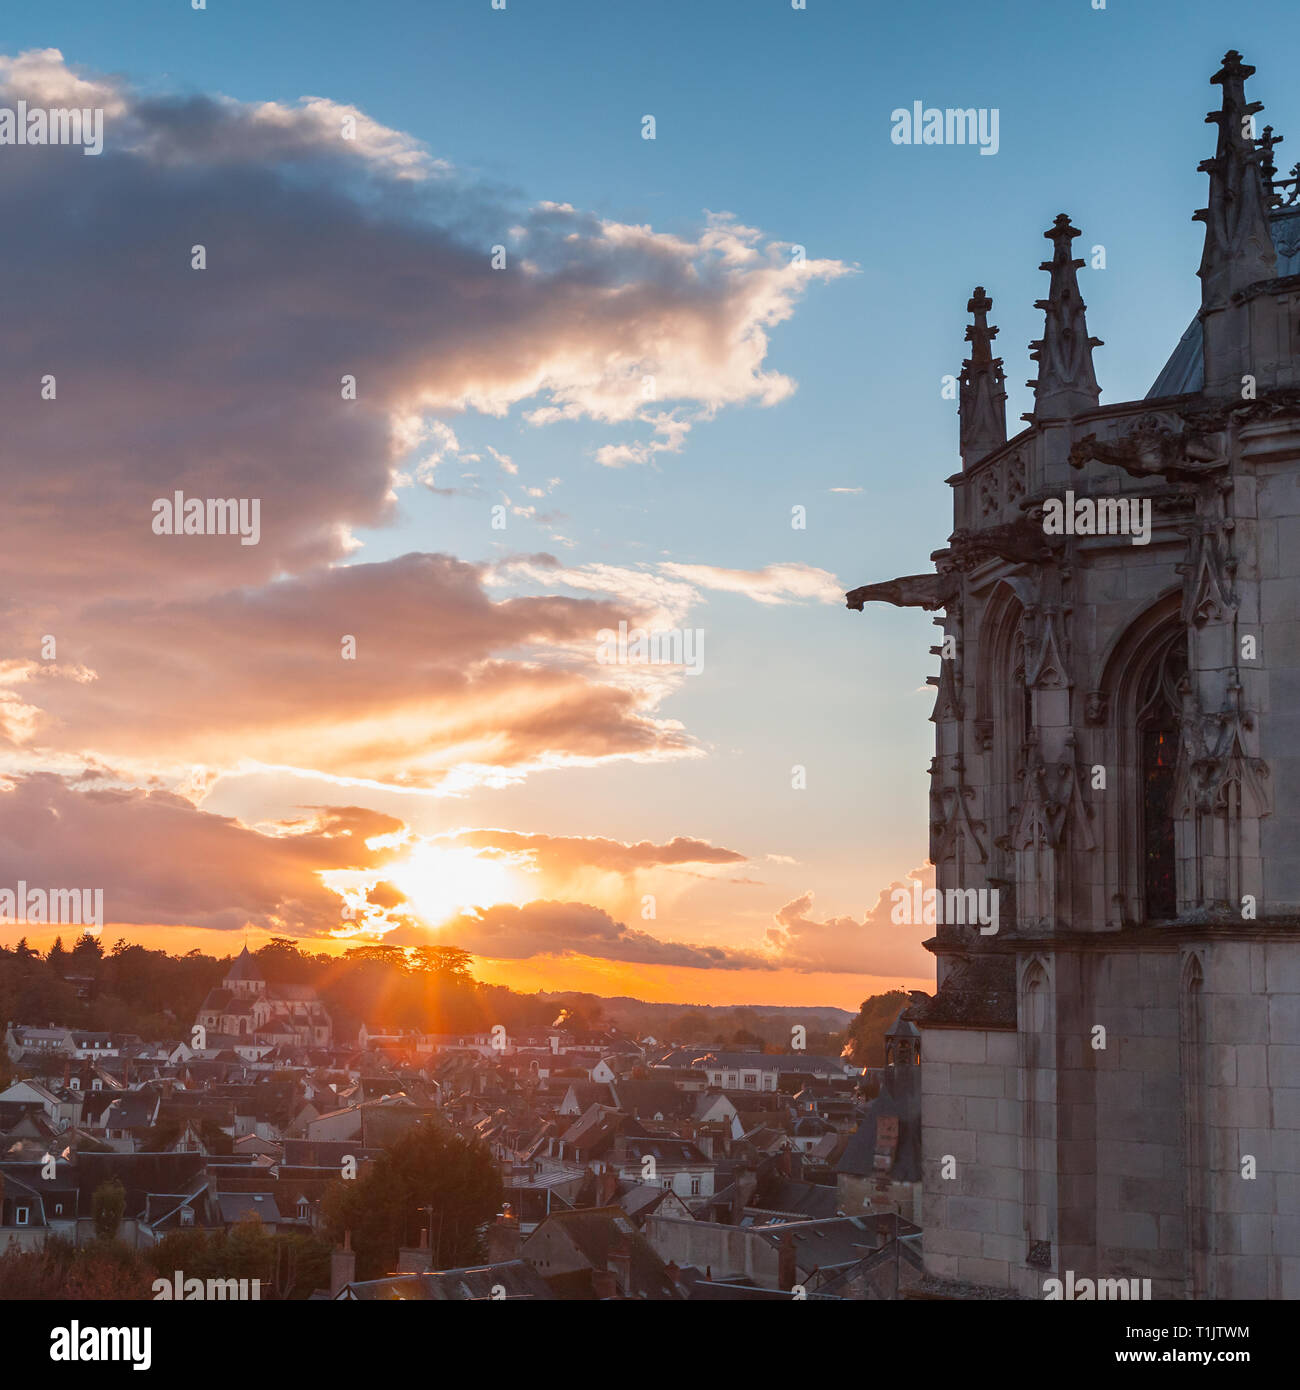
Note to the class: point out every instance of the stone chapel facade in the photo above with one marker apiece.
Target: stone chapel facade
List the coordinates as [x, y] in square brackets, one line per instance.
[1111, 1081]
[247, 1009]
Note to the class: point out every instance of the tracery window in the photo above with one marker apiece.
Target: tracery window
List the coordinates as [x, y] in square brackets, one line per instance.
[1158, 733]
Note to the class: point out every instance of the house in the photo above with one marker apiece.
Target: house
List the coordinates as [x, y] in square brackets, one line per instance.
[128, 1116]
[674, 1164]
[756, 1071]
[508, 1281]
[597, 1253]
[777, 1255]
[32, 1209]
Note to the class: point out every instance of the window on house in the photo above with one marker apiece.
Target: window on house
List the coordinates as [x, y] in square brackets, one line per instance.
[695, 1187]
[22, 1215]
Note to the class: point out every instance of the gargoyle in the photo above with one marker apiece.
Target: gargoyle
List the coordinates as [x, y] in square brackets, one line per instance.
[928, 591]
[1020, 542]
[1152, 449]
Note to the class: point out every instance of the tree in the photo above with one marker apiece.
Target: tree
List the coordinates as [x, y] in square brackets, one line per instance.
[449, 962]
[87, 952]
[57, 957]
[865, 1035]
[107, 1208]
[427, 1167]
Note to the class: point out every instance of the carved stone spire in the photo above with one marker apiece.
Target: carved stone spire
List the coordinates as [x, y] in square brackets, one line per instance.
[1238, 248]
[1268, 142]
[1066, 383]
[982, 405]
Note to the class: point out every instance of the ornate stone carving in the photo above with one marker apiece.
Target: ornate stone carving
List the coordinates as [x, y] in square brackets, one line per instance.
[1152, 448]
[1047, 668]
[1209, 573]
[1017, 479]
[951, 820]
[990, 502]
[1021, 542]
[928, 591]
[1066, 383]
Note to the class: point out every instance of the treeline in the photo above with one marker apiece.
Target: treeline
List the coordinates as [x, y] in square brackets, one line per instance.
[431, 989]
[131, 989]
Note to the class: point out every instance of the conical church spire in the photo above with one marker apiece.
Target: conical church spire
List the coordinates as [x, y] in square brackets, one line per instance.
[1066, 383]
[982, 404]
[1238, 248]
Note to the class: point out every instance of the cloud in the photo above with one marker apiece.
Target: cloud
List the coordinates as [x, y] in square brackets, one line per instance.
[261, 675]
[326, 257]
[872, 946]
[334, 248]
[507, 932]
[782, 583]
[566, 854]
[159, 861]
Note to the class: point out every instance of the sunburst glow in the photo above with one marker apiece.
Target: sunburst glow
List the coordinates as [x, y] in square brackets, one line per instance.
[439, 883]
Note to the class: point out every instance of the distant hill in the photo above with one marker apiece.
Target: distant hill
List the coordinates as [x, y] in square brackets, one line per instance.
[769, 1023]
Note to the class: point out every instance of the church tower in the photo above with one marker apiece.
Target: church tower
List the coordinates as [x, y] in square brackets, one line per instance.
[1114, 1070]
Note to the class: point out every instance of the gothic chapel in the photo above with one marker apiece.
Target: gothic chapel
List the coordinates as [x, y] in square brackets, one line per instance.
[1111, 1082]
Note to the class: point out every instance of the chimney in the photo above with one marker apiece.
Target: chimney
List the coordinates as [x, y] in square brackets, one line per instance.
[343, 1266]
[619, 1263]
[416, 1259]
[504, 1238]
[787, 1272]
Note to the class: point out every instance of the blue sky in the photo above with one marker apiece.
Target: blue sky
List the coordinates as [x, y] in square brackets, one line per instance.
[781, 118]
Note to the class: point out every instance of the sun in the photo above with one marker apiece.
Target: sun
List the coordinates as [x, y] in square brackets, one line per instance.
[440, 883]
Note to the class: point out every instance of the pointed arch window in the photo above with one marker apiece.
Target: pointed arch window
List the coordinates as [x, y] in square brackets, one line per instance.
[1159, 704]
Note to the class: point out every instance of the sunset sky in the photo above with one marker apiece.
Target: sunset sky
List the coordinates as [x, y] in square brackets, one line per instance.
[200, 748]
